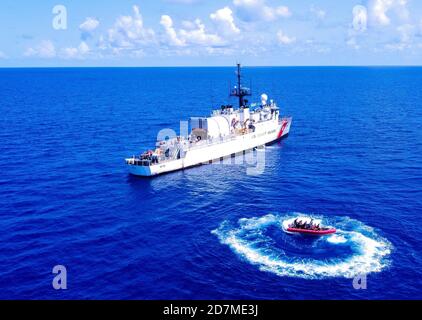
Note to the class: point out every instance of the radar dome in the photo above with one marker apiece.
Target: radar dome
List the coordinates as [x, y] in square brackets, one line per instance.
[264, 99]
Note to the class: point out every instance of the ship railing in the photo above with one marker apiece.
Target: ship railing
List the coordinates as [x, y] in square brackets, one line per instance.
[138, 162]
[162, 158]
[174, 153]
[147, 162]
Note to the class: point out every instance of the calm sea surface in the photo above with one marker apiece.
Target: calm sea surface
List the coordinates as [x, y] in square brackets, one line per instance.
[353, 159]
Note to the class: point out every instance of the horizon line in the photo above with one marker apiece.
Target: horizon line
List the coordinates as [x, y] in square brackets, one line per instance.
[217, 66]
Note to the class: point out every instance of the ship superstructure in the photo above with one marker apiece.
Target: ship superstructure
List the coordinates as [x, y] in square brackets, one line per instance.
[228, 131]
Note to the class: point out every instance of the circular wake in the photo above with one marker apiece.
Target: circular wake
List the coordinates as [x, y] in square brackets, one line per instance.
[354, 250]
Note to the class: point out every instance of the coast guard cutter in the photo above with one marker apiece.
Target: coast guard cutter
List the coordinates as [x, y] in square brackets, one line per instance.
[227, 132]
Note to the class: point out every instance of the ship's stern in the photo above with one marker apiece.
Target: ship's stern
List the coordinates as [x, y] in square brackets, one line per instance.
[138, 170]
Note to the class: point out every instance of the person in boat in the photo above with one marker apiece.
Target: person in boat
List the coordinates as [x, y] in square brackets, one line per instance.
[155, 155]
[154, 158]
[309, 225]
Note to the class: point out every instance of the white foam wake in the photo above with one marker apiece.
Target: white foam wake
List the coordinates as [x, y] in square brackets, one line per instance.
[335, 238]
[248, 240]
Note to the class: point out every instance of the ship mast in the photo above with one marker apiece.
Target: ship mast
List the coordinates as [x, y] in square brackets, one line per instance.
[240, 91]
[239, 85]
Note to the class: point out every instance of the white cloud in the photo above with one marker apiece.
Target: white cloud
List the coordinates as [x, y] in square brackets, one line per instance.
[45, 49]
[76, 53]
[89, 25]
[189, 25]
[196, 35]
[129, 32]
[199, 36]
[285, 39]
[392, 16]
[381, 10]
[70, 52]
[2, 55]
[252, 10]
[171, 33]
[224, 20]
[281, 11]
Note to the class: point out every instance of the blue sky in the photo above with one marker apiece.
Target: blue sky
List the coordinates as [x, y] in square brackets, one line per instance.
[210, 33]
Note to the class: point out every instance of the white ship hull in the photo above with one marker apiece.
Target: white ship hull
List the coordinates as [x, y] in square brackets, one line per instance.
[203, 154]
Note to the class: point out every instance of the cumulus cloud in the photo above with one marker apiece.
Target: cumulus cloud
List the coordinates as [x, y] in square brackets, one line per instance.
[223, 18]
[88, 27]
[391, 16]
[195, 35]
[284, 39]
[45, 49]
[381, 10]
[79, 52]
[253, 10]
[129, 32]
[200, 36]
[171, 33]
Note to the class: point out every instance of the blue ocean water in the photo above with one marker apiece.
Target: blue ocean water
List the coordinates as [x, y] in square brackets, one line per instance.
[353, 159]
